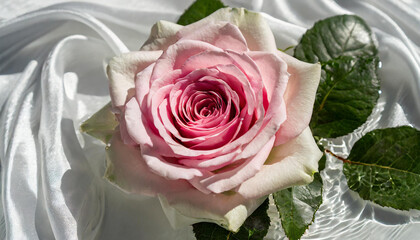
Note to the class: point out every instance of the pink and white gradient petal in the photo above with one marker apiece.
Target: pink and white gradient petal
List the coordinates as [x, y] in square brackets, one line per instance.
[231, 178]
[252, 25]
[122, 72]
[127, 170]
[192, 206]
[223, 35]
[289, 164]
[299, 97]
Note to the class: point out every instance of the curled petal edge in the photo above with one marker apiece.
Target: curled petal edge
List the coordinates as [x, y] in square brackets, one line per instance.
[185, 214]
[299, 97]
[253, 26]
[127, 170]
[162, 35]
[122, 72]
[290, 164]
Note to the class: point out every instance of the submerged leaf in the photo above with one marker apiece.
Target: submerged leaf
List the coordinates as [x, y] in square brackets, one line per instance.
[347, 93]
[349, 84]
[343, 35]
[384, 167]
[297, 206]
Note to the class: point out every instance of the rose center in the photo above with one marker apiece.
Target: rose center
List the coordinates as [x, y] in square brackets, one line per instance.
[207, 109]
[210, 105]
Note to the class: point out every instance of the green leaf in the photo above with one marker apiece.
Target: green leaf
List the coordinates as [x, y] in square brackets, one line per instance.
[254, 228]
[199, 10]
[384, 167]
[297, 206]
[349, 86]
[101, 125]
[347, 93]
[343, 35]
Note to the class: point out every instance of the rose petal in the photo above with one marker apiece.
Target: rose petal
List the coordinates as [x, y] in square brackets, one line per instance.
[213, 163]
[223, 35]
[142, 83]
[176, 55]
[206, 59]
[125, 136]
[126, 169]
[289, 164]
[299, 97]
[250, 68]
[225, 181]
[183, 204]
[273, 70]
[169, 170]
[273, 119]
[170, 148]
[133, 125]
[192, 206]
[162, 35]
[122, 71]
[254, 28]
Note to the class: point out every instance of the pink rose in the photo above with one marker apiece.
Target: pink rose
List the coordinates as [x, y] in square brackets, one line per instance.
[213, 118]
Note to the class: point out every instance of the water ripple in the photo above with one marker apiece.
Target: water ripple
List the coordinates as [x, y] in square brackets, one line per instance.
[343, 214]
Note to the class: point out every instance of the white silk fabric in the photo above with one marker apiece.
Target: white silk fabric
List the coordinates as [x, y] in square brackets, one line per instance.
[52, 78]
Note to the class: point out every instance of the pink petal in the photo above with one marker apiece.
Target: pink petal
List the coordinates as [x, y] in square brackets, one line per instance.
[155, 120]
[251, 70]
[254, 28]
[274, 117]
[196, 133]
[299, 97]
[213, 163]
[225, 181]
[142, 83]
[133, 124]
[223, 35]
[180, 200]
[239, 82]
[169, 170]
[206, 59]
[273, 71]
[175, 56]
[289, 164]
[125, 136]
[127, 169]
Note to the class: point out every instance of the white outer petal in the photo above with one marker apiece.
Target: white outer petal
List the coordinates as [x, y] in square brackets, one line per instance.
[162, 35]
[253, 26]
[299, 96]
[122, 72]
[127, 170]
[289, 164]
[185, 213]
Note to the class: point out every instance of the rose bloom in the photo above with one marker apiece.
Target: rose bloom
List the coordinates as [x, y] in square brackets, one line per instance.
[212, 118]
